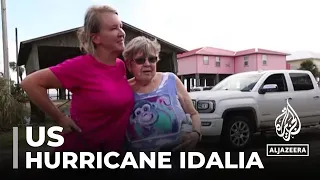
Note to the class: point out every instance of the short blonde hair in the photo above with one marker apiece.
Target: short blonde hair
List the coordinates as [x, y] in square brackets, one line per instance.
[92, 25]
[141, 44]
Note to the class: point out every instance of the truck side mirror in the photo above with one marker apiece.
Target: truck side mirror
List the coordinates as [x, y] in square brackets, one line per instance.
[268, 88]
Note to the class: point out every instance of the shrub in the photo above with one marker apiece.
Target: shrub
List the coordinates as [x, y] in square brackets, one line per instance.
[12, 107]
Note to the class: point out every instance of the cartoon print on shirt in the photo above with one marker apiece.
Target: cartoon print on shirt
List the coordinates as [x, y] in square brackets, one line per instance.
[152, 117]
[145, 115]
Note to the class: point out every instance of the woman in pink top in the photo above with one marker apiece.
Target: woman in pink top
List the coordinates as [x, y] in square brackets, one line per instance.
[102, 99]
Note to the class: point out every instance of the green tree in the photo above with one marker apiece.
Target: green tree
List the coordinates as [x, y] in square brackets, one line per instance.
[13, 66]
[309, 66]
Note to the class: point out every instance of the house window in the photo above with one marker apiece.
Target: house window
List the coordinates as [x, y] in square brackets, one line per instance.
[205, 60]
[218, 61]
[264, 59]
[246, 60]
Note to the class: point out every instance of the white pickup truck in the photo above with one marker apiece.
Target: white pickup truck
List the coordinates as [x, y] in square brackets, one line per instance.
[245, 103]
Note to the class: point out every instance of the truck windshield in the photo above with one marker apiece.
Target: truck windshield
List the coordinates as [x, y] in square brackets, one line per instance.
[238, 82]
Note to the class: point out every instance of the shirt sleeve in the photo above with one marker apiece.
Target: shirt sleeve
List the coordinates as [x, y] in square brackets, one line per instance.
[68, 73]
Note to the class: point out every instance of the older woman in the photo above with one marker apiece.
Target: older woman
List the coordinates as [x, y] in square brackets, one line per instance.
[101, 96]
[161, 103]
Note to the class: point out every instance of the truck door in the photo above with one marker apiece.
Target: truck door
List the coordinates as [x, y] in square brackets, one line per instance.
[271, 103]
[305, 98]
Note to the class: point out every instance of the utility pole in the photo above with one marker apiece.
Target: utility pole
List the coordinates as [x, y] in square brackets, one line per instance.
[17, 53]
[5, 40]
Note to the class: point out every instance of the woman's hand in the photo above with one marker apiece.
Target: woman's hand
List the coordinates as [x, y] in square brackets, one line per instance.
[132, 81]
[189, 142]
[68, 125]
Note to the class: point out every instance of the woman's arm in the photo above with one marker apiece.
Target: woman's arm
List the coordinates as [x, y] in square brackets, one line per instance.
[64, 75]
[36, 85]
[187, 105]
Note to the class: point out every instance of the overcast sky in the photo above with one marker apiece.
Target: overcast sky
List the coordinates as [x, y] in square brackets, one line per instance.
[282, 25]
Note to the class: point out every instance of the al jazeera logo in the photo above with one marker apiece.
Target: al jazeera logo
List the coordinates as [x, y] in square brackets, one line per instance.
[287, 126]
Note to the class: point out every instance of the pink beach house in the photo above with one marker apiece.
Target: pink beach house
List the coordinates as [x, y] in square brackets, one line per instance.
[207, 66]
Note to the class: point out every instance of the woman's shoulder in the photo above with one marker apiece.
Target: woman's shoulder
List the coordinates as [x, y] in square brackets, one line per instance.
[170, 75]
[81, 58]
[71, 64]
[120, 63]
[77, 60]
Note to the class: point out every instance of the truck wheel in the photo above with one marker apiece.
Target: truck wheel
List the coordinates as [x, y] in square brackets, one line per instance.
[237, 132]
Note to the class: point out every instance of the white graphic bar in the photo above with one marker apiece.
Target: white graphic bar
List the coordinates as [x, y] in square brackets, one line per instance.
[15, 150]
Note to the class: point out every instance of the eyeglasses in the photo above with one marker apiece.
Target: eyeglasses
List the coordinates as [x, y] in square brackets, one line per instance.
[142, 60]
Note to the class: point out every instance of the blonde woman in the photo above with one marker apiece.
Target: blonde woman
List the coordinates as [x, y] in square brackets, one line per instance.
[102, 99]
